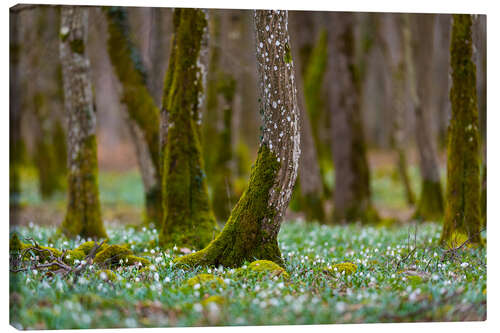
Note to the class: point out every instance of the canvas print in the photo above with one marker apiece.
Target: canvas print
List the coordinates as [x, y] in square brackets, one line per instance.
[224, 167]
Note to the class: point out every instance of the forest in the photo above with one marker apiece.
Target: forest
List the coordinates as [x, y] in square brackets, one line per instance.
[220, 167]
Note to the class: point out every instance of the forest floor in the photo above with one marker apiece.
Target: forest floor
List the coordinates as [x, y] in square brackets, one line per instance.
[401, 276]
[401, 273]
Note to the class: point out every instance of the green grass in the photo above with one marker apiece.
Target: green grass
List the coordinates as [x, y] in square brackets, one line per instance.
[381, 290]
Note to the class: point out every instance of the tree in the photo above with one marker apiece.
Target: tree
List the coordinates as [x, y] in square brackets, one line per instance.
[14, 114]
[310, 182]
[143, 117]
[217, 123]
[45, 103]
[394, 50]
[352, 193]
[462, 214]
[430, 204]
[252, 229]
[83, 214]
[188, 218]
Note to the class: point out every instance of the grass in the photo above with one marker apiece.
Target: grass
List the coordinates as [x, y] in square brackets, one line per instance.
[402, 275]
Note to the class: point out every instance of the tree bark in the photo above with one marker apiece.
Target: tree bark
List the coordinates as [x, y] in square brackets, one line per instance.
[83, 215]
[143, 117]
[310, 179]
[45, 100]
[462, 214]
[217, 123]
[430, 205]
[396, 82]
[352, 194]
[188, 218]
[14, 115]
[252, 229]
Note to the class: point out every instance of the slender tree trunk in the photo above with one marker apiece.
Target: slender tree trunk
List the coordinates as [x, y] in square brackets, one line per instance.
[188, 218]
[143, 117]
[83, 215]
[158, 48]
[430, 204]
[50, 151]
[211, 114]
[14, 116]
[252, 229]
[310, 179]
[463, 215]
[396, 82]
[217, 123]
[223, 194]
[352, 194]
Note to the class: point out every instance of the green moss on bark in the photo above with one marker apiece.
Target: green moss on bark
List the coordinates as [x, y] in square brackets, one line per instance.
[77, 46]
[223, 194]
[242, 238]
[83, 215]
[430, 206]
[141, 108]
[462, 213]
[188, 217]
[154, 209]
[483, 196]
[314, 73]
[312, 206]
[50, 150]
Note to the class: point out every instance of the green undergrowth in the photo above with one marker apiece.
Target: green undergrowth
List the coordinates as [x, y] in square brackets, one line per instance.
[339, 274]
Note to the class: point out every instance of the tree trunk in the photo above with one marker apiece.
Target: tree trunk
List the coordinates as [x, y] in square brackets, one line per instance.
[83, 215]
[14, 115]
[396, 82]
[143, 117]
[352, 194]
[252, 229]
[49, 156]
[188, 218]
[462, 215]
[217, 123]
[310, 179]
[430, 204]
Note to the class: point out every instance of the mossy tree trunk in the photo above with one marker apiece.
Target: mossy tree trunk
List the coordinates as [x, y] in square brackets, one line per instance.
[430, 204]
[484, 195]
[223, 193]
[310, 181]
[252, 229]
[188, 217]
[14, 115]
[217, 122]
[352, 193]
[47, 131]
[46, 99]
[143, 117]
[83, 214]
[462, 214]
[394, 52]
[314, 73]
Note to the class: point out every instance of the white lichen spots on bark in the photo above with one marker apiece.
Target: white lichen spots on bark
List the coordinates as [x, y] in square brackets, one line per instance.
[281, 137]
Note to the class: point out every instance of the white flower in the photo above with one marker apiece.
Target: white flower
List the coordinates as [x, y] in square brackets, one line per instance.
[464, 264]
[196, 286]
[166, 280]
